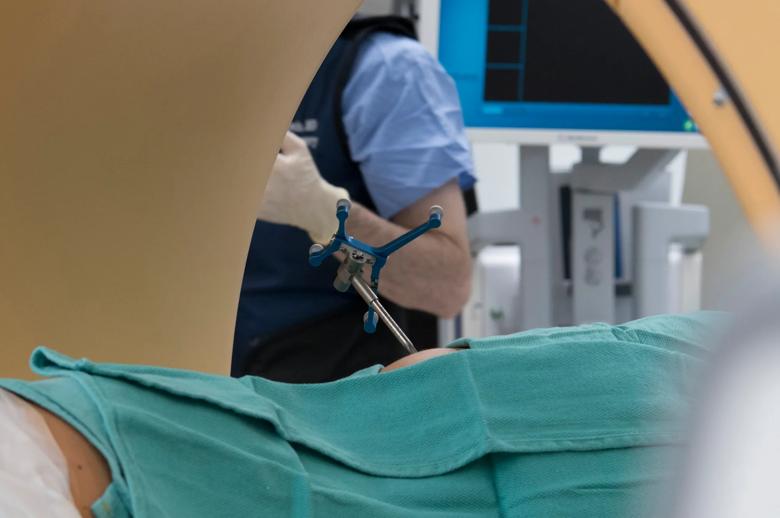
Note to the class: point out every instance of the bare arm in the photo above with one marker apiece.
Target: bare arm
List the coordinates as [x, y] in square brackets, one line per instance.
[433, 273]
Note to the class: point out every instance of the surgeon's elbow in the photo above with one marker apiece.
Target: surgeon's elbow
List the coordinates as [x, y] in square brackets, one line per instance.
[454, 305]
[458, 290]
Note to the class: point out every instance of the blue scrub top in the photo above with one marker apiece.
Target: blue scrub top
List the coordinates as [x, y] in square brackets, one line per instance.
[404, 123]
[406, 138]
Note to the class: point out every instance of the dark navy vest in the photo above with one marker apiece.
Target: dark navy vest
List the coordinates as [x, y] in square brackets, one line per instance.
[280, 289]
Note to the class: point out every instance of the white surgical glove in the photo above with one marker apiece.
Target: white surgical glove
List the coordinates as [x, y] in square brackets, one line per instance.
[296, 193]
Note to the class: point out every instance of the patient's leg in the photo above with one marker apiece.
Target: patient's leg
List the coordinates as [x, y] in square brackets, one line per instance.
[45, 462]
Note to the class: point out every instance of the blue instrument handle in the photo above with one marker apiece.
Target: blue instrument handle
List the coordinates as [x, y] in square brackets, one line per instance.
[359, 255]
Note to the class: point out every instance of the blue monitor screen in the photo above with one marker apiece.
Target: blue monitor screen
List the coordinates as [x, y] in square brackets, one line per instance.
[553, 64]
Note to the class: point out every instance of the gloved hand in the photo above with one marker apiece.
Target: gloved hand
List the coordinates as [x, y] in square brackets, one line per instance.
[297, 195]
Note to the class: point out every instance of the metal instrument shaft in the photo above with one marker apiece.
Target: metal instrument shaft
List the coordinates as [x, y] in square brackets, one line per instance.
[371, 298]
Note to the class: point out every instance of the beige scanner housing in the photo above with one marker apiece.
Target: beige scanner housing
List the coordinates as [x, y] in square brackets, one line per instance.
[135, 142]
[136, 138]
[742, 37]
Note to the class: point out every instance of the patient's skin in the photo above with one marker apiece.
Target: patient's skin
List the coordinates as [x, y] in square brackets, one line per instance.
[419, 357]
[88, 472]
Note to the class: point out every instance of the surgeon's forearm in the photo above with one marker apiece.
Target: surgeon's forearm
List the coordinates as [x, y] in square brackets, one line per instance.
[433, 273]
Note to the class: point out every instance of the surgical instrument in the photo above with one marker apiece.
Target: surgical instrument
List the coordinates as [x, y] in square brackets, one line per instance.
[359, 255]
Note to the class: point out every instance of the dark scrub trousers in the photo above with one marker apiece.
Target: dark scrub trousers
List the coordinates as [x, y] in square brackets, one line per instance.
[292, 324]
